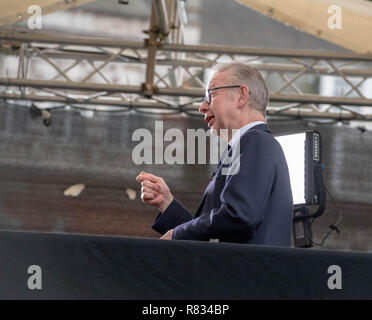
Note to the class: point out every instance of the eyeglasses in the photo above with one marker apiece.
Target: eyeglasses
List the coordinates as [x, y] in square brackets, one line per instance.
[207, 96]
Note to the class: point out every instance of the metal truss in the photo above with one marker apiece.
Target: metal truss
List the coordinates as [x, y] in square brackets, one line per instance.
[162, 75]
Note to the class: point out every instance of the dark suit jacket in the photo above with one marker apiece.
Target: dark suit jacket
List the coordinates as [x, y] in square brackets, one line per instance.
[253, 206]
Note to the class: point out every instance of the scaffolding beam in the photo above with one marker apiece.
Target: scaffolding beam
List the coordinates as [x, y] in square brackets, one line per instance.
[62, 73]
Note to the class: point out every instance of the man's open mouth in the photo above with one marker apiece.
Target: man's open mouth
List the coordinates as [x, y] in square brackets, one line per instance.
[210, 120]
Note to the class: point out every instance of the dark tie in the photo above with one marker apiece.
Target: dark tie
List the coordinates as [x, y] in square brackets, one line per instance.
[227, 152]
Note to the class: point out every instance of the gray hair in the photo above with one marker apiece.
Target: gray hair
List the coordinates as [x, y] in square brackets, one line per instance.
[250, 76]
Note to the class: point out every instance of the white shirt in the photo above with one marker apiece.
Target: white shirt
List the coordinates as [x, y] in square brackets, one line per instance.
[225, 159]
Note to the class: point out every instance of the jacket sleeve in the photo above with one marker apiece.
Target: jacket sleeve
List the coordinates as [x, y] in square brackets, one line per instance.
[174, 215]
[243, 198]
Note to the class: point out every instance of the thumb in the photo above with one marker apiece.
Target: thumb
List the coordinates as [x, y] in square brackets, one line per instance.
[150, 176]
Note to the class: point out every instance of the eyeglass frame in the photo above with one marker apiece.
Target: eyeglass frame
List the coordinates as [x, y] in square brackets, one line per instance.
[207, 96]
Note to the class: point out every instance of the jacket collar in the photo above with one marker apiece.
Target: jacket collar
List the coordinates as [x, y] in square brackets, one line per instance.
[257, 125]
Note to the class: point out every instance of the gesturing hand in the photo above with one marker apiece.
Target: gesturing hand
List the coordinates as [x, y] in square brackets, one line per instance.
[154, 191]
[168, 235]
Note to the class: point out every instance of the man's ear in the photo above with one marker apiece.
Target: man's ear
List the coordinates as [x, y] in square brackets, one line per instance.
[244, 96]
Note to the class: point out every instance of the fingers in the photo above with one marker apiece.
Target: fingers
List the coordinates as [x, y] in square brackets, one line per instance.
[148, 193]
[150, 176]
[140, 178]
[153, 188]
[147, 176]
[147, 196]
[150, 185]
[149, 190]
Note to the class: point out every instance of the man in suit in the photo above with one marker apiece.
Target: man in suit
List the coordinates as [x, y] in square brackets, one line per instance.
[252, 201]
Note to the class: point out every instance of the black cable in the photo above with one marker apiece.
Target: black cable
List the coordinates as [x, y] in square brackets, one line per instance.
[332, 227]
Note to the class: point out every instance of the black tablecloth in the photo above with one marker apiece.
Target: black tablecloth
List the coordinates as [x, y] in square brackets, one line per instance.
[100, 267]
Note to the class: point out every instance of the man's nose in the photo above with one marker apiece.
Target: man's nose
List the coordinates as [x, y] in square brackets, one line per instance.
[204, 107]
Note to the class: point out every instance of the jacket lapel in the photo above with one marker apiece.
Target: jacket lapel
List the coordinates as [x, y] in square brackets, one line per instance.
[220, 164]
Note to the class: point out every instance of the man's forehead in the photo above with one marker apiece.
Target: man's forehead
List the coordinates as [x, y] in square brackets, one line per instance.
[216, 79]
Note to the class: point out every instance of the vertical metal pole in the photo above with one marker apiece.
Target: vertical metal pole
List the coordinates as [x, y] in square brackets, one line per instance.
[20, 61]
[162, 15]
[171, 6]
[151, 44]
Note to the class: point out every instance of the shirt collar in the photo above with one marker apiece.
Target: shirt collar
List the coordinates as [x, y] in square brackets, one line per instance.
[238, 133]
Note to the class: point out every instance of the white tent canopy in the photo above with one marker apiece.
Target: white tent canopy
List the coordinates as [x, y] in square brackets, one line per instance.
[12, 11]
[312, 16]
